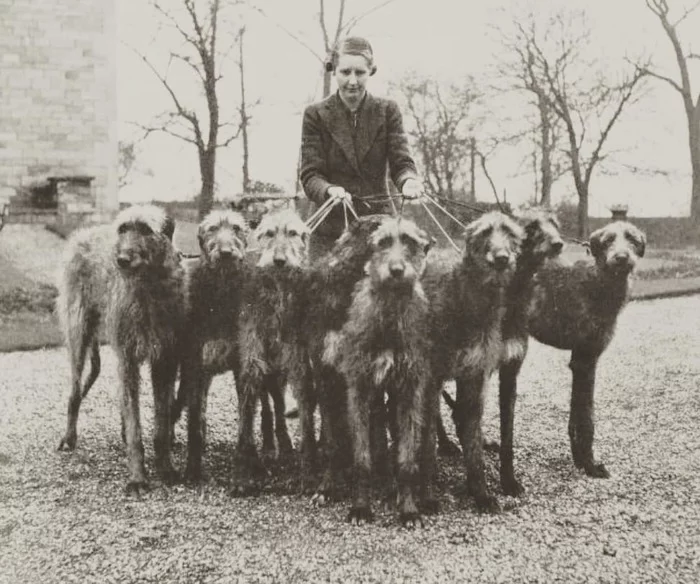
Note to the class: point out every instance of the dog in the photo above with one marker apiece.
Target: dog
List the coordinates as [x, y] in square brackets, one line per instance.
[213, 290]
[575, 308]
[469, 301]
[129, 275]
[384, 348]
[272, 351]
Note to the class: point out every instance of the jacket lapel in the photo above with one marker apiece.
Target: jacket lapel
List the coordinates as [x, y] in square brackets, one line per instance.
[368, 125]
[334, 117]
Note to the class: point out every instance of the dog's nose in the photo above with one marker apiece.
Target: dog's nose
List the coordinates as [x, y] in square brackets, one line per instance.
[621, 257]
[397, 269]
[123, 261]
[226, 253]
[501, 260]
[557, 246]
[279, 262]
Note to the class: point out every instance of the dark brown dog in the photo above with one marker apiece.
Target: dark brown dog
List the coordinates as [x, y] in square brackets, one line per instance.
[329, 288]
[542, 241]
[575, 308]
[272, 351]
[383, 348]
[469, 302]
[214, 283]
[129, 274]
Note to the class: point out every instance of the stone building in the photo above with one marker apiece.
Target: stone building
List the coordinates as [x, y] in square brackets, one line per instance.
[58, 101]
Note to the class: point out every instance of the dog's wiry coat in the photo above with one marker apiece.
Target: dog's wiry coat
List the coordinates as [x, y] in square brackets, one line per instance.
[384, 348]
[575, 308]
[469, 302]
[272, 352]
[129, 275]
[213, 290]
[328, 290]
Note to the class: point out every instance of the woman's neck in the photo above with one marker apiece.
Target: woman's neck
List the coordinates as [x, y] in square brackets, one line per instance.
[352, 104]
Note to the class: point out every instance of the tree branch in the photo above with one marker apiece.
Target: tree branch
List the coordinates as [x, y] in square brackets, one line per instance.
[626, 92]
[352, 23]
[286, 31]
[322, 20]
[668, 80]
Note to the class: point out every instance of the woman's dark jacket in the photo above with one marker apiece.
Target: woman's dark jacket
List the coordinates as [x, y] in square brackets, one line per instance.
[357, 152]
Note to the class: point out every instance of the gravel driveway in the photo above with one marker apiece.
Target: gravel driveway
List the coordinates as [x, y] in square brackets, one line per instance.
[65, 517]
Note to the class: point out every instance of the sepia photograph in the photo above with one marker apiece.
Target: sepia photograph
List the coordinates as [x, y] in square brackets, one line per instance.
[349, 291]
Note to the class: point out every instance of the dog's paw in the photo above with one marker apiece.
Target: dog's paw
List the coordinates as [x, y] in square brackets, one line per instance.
[596, 470]
[360, 515]
[67, 443]
[137, 488]
[486, 503]
[411, 519]
[512, 487]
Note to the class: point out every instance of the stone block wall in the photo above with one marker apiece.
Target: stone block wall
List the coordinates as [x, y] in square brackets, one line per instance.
[58, 94]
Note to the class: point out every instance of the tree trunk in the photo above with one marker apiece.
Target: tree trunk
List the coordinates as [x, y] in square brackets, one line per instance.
[472, 170]
[694, 139]
[326, 83]
[582, 212]
[546, 159]
[244, 118]
[207, 166]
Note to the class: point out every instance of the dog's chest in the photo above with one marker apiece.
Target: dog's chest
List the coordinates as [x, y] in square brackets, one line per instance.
[485, 348]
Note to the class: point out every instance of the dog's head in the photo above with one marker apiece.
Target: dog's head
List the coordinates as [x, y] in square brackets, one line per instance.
[355, 244]
[144, 238]
[542, 237]
[222, 236]
[617, 247]
[283, 238]
[399, 250]
[493, 244]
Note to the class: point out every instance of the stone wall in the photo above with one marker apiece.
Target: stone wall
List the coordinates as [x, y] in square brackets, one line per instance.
[58, 94]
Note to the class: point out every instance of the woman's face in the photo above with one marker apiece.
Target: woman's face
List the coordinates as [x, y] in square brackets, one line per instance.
[351, 74]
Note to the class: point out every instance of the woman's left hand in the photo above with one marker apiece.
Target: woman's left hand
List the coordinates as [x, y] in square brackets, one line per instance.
[412, 188]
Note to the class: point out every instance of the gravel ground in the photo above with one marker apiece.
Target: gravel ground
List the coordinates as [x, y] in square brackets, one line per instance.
[65, 517]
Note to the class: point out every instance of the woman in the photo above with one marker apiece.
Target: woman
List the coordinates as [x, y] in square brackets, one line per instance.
[349, 141]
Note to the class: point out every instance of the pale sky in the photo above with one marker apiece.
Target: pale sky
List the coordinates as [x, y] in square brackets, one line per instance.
[440, 38]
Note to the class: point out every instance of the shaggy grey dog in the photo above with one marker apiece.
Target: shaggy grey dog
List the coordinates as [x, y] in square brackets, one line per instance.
[129, 275]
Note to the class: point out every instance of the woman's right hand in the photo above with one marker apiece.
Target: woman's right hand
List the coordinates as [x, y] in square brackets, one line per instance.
[338, 194]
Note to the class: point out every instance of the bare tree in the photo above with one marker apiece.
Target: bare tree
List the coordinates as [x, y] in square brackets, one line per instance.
[441, 126]
[516, 66]
[244, 116]
[691, 102]
[197, 28]
[586, 102]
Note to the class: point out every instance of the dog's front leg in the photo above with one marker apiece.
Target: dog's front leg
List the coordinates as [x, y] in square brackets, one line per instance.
[131, 418]
[359, 397]
[469, 411]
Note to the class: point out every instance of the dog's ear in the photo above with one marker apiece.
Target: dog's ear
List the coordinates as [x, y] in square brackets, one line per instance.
[168, 228]
[425, 240]
[595, 243]
[638, 239]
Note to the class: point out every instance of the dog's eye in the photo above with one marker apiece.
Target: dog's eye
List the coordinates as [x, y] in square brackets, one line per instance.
[408, 241]
[384, 242]
[122, 229]
[293, 233]
[143, 229]
[631, 238]
[270, 233]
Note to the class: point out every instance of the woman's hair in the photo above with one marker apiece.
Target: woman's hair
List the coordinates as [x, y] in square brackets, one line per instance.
[352, 46]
